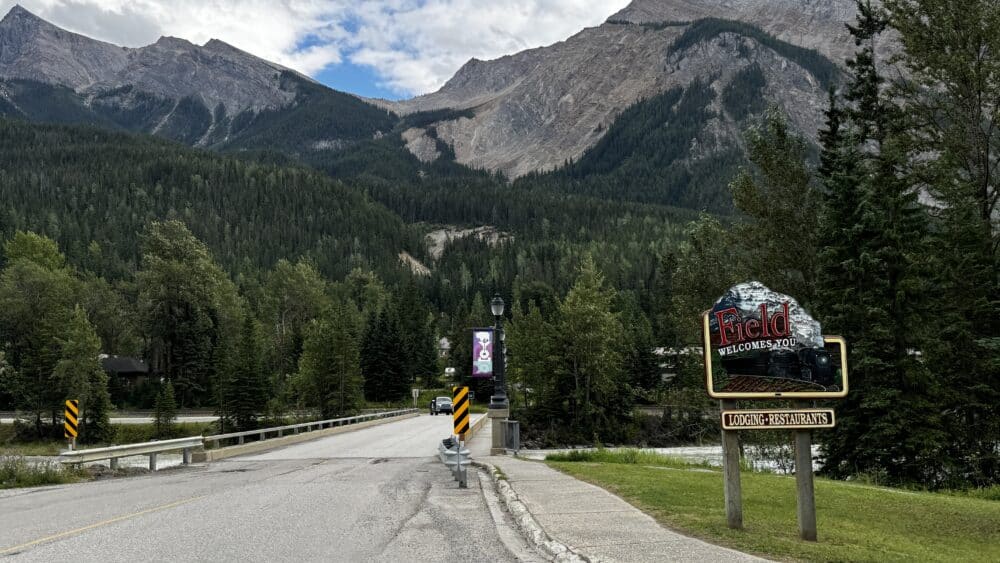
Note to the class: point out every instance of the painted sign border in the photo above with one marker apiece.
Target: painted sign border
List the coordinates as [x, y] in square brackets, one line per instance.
[833, 419]
[706, 333]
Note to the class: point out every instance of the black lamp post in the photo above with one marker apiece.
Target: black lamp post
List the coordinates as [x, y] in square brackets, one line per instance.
[499, 398]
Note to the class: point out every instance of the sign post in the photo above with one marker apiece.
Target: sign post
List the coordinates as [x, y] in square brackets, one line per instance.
[806, 507]
[71, 422]
[732, 488]
[760, 345]
[460, 416]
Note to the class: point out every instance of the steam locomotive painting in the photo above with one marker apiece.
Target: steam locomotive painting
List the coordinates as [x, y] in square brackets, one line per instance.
[810, 365]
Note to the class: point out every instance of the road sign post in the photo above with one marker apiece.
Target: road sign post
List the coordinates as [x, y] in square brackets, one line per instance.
[460, 417]
[732, 487]
[71, 422]
[806, 507]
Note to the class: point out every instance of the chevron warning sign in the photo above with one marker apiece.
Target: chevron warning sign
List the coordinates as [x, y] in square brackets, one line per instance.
[460, 409]
[71, 418]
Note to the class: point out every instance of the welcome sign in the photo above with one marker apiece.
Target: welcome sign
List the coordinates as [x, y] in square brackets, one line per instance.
[760, 344]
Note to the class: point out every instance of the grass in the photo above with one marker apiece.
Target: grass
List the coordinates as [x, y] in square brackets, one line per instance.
[15, 471]
[855, 522]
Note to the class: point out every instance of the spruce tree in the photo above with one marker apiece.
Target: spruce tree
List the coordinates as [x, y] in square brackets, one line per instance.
[951, 98]
[888, 424]
[79, 374]
[165, 410]
[330, 366]
[247, 391]
[778, 197]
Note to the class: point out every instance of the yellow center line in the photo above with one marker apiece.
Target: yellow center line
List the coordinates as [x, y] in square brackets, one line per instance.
[54, 537]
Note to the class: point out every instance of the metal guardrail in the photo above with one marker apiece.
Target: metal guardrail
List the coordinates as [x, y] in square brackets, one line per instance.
[455, 455]
[113, 453]
[187, 445]
[279, 431]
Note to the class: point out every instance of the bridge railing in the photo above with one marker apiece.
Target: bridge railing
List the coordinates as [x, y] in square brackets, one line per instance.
[113, 453]
[279, 431]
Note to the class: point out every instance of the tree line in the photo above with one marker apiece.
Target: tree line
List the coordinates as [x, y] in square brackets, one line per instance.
[295, 342]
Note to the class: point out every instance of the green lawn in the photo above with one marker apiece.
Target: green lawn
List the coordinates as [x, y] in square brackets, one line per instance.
[855, 522]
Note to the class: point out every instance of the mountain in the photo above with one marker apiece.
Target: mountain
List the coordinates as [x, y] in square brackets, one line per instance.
[650, 106]
[209, 95]
[535, 110]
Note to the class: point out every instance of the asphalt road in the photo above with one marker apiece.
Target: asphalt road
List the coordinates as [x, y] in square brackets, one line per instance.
[377, 494]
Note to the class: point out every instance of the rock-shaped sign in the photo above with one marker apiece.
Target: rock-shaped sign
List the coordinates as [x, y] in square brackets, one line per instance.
[762, 344]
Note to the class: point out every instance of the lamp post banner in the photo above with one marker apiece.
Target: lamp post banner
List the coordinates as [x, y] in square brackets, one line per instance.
[482, 352]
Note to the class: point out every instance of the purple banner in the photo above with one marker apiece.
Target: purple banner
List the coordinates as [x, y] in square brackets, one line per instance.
[482, 352]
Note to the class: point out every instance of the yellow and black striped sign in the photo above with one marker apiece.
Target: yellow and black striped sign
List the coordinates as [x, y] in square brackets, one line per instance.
[70, 418]
[460, 409]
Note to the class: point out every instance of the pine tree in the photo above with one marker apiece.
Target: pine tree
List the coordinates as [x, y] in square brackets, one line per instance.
[778, 197]
[383, 360]
[590, 361]
[888, 423]
[165, 410]
[330, 366]
[951, 99]
[247, 392]
[79, 375]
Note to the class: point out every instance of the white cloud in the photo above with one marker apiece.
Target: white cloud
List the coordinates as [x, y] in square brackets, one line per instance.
[414, 46]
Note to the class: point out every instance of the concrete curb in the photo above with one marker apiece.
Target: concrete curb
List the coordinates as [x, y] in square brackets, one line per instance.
[530, 527]
[475, 427]
[264, 445]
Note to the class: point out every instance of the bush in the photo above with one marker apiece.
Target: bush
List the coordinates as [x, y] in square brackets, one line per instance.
[15, 471]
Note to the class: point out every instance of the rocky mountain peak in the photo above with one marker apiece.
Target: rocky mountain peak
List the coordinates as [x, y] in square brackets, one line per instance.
[171, 68]
[813, 24]
[32, 48]
[19, 13]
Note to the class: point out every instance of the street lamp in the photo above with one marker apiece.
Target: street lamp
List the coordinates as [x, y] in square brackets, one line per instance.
[499, 398]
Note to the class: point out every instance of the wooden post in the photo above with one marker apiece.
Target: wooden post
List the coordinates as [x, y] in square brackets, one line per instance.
[731, 473]
[804, 481]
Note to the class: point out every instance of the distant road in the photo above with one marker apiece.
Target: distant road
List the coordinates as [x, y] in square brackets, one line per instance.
[376, 494]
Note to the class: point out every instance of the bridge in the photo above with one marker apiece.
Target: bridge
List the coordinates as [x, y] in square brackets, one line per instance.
[373, 494]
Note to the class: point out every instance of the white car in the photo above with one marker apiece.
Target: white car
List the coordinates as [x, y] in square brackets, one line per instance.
[441, 405]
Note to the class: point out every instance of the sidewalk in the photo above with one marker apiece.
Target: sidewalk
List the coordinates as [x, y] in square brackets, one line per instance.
[591, 521]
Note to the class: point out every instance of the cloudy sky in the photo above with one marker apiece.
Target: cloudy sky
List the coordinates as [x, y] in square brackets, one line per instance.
[383, 48]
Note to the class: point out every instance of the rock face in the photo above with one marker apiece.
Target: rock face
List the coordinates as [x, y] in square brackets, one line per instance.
[813, 24]
[216, 73]
[33, 49]
[537, 109]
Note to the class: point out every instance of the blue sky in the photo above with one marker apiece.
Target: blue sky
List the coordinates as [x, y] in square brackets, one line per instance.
[360, 80]
[376, 48]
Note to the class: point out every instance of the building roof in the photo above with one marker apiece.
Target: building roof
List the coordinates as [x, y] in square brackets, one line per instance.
[123, 364]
